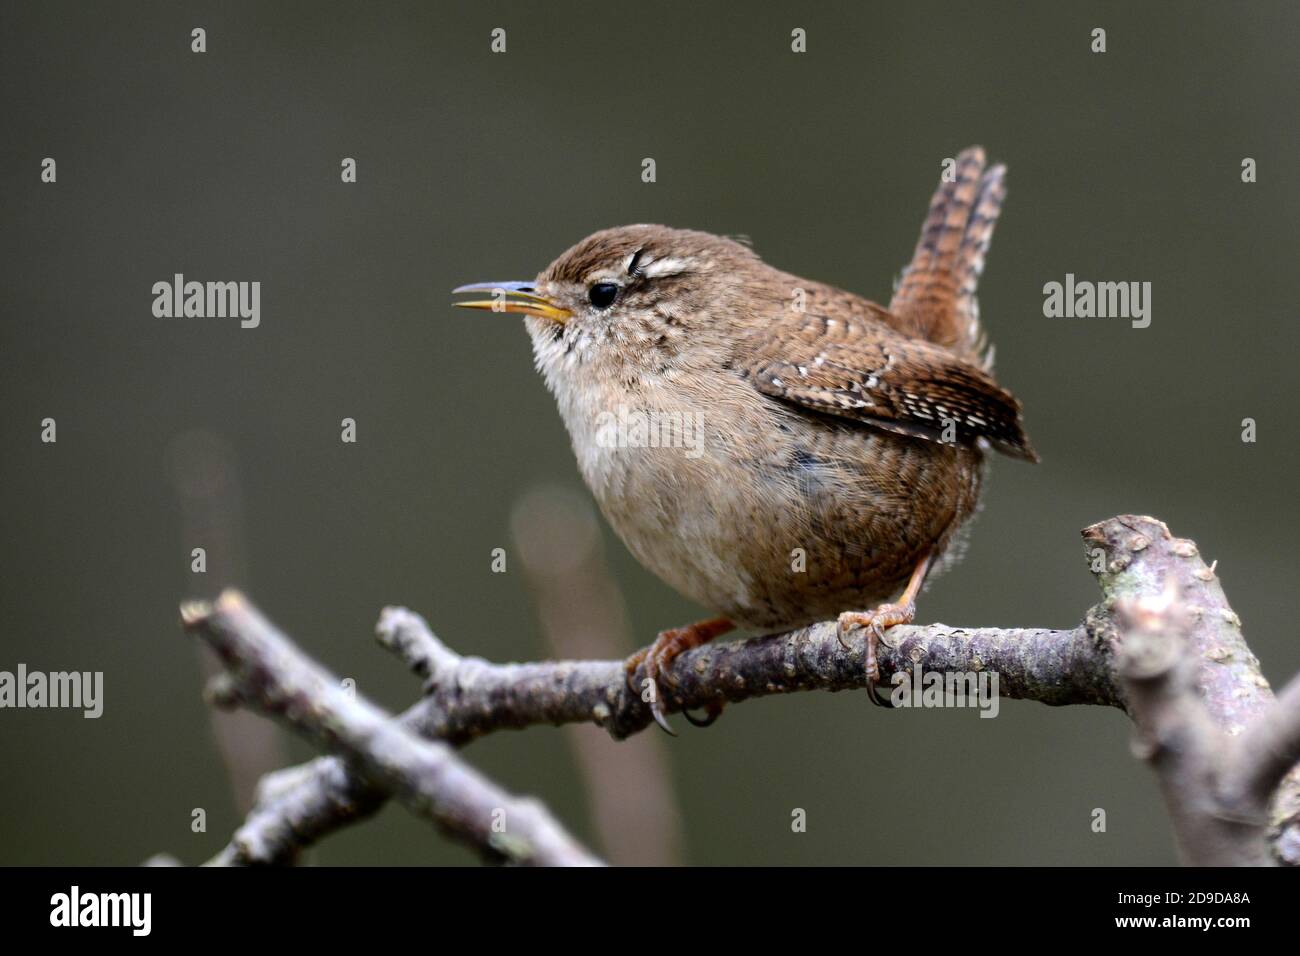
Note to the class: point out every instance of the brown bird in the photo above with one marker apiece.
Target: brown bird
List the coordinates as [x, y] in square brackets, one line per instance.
[774, 448]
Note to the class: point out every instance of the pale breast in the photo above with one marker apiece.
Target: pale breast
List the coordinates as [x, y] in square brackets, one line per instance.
[762, 513]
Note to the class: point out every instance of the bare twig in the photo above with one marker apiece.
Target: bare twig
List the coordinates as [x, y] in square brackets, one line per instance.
[467, 697]
[1269, 749]
[1132, 557]
[266, 672]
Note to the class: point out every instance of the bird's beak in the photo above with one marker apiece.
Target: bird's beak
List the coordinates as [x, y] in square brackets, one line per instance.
[513, 297]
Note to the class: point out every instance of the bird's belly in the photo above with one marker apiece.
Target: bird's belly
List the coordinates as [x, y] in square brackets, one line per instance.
[816, 521]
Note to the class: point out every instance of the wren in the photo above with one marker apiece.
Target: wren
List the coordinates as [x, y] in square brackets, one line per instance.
[842, 443]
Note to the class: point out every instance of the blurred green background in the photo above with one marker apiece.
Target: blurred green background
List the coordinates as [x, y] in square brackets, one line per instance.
[225, 166]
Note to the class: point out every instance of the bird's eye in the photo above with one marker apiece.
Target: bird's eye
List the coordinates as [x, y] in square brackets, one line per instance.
[603, 294]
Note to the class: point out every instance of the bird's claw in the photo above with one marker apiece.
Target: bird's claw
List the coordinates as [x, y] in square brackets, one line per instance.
[647, 657]
[875, 623]
[629, 668]
[656, 711]
[874, 696]
[657, 658]
[713, 710]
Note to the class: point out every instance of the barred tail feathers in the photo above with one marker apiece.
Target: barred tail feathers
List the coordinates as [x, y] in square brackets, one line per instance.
[936, 292]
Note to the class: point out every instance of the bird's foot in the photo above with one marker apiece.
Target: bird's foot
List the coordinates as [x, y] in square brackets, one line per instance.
[712, 711]
[875, 622]
[657, 659]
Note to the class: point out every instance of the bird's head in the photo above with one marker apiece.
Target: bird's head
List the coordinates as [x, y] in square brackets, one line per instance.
[634, 300]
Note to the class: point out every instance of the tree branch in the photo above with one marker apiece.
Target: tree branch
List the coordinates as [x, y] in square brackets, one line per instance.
[1269, 749]
[1176, 735]
[264, 671]
[467, 697]
[1132, 557]
[1136, 558]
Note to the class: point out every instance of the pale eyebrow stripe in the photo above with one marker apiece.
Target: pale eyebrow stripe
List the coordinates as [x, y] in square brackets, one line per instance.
[666, 267]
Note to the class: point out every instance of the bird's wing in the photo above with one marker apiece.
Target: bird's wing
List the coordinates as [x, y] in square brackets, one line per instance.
[864, 371]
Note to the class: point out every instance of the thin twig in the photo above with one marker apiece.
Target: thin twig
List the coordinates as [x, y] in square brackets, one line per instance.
[264, 671]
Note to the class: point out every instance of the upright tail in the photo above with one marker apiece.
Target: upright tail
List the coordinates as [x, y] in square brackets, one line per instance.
[935, 296]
